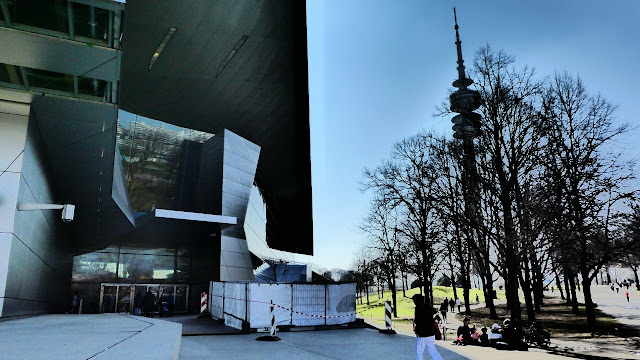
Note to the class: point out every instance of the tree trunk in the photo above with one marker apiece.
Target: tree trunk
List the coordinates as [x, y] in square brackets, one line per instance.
[590, 309]
[368, 295]
[567, 288]
[453, 285]
[526, 290]
[538, 281]
[392, 285]
[488, 298]
[559, 285]
[574, 298]
[635, 274]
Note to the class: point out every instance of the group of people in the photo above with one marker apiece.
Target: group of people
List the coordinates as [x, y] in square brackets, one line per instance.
[448, 304]
[425, 326]
[146, 304]
[505, 337]
[625, 284]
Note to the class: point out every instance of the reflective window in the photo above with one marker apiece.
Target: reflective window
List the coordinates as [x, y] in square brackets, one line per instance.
[95, 267]
[92, 87]
[44, 14]
[183, 269]
[42, 81]
[50, 80]
[11, 74]
[152, 156]
[90, 22]
[67, 19]
[140, 268]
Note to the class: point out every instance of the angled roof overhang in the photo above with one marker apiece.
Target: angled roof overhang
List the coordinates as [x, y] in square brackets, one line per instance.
[239, 65]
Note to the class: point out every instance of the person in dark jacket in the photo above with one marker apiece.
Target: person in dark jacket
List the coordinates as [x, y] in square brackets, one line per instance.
[452, 304]
[443, 309]
[423, 326]
[464, 332]
[137, 303]
[149, 303]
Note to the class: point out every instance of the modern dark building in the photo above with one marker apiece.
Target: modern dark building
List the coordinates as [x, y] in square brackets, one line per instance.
[179, 130]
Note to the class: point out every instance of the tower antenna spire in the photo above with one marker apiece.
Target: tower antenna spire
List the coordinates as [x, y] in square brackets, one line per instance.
[462, 81]
[464, 101]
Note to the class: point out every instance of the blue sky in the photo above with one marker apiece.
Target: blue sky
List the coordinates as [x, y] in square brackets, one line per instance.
[378, 68]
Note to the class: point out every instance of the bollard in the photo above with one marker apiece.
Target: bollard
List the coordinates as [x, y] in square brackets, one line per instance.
[203, 302]
[387, 319]
[272, 334]
[80, 308]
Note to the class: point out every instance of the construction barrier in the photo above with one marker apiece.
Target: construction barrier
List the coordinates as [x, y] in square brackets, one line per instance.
[239, 303]
[387, 314]
[203, 302]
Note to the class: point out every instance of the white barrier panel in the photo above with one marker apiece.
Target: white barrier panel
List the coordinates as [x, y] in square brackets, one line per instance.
[308, 299]
[235, 304]
[217, 292]
[341, 303]
[295, 304]
[260, 294]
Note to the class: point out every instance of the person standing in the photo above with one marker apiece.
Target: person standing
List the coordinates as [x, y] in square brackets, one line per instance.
[74, 303]
[627, 295]
[458, 303]
[137, 303]
[149, 304]
[172, 303]
[423, 326]
[477, 299]
[452, 304]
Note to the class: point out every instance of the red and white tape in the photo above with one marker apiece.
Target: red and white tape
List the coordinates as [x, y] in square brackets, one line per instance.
[301, 313]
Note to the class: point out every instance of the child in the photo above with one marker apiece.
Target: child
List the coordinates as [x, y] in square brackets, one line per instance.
[484, 337]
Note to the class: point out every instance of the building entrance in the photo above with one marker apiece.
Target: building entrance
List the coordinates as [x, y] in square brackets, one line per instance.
[120, 298]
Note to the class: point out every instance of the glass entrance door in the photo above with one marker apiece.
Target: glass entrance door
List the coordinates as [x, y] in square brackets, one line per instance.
[116, 298]
[121, 298]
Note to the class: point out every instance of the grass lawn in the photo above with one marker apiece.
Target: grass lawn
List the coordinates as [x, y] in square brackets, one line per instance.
[405, 304]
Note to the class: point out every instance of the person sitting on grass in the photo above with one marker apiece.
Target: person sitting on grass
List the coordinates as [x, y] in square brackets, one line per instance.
[464, 333]
[475, 335]
[484, 337]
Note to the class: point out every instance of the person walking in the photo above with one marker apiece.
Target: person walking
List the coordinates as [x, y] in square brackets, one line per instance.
[477, 299]
[424, 327]
[452, 304]
[458, 303]
[443, 310]
[627, 295]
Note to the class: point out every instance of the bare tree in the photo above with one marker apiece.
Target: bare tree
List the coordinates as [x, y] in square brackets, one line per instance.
[593, 177]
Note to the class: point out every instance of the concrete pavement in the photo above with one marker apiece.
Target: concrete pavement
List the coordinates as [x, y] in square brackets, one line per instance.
[614, 303]
[347, 344]
[96, 337]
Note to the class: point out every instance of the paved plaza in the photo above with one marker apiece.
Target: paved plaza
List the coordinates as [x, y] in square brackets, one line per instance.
[347, 344]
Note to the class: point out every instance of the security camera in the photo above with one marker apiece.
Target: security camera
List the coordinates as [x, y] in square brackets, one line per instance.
[67, 209]
[67, 213]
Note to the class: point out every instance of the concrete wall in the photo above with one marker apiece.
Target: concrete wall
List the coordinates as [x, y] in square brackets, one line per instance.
[35, 260]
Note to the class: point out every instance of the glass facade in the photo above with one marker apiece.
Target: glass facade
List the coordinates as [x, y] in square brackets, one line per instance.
[152, 152]
[120, 263]
[105, 278]
[152, 156]
[50, 82]
[90, 21]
